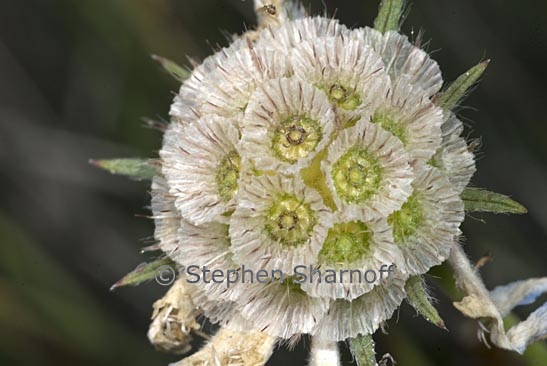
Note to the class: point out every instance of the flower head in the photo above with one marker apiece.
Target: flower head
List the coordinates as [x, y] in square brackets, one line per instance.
[307, 144]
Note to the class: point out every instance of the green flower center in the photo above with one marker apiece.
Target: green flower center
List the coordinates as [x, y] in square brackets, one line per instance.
[228, 175]
[346, 243]
[345, 99]
[290, 221]
[356, 175]
[389, 124]
[295, 138]
[407, 220]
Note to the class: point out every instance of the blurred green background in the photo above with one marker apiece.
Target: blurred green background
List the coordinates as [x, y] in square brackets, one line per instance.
[76, 78]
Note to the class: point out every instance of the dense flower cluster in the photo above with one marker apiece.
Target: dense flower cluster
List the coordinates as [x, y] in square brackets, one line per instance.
[311, 144]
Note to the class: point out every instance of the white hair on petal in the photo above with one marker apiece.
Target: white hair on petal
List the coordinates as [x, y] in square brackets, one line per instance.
[166, 217]
[282, 309]
[362, 316]
[348, 71]
[402, 58]
[453, 157]
[412, 118]
[260, 241]
[428, 223]
[378, 249]
[193, 157]
[383, 163]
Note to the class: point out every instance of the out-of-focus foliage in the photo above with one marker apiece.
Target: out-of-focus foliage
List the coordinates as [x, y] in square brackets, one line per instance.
[76, 79]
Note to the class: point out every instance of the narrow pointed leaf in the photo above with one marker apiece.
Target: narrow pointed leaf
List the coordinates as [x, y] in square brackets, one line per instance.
[172, 68]
[420, 300]
[138, 169]
[389, 15]
[363, 350]
[459, 88]
[479, 200]
[144, 272]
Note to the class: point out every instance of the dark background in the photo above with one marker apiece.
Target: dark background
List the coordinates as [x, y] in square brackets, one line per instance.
[76, 78]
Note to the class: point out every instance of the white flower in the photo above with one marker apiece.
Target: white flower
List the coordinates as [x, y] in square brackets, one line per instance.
[227, 88]
[282, 309]
[291, 34]
[308, 145]
[454, 158]
[361, 316]
[402, 58]
[279, 223]
[186, 106]
[427, 225]
[202, 168]
[368, 171]
[347, 70]
[209, 246]
[412, 118]
[286, 123]
[224, 312]
[354, 245]
[166, 217]
[226, 80]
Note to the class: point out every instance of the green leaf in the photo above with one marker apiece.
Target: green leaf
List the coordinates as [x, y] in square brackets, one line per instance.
[389, 15]
[459, 88]
[479, 200]
[138, 169]
[172, 68]
[420, 300]
[363, 350]
[144, 272]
